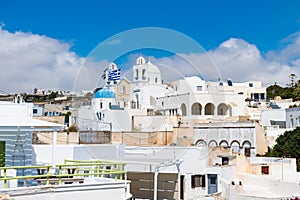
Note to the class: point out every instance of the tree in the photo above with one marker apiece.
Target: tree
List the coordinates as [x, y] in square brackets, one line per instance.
[53, 95]
[287, 146]
[296, 93]
[276, 90]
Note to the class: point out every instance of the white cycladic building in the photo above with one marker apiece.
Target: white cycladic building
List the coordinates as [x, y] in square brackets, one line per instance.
[277, 121]
[239, 137]
[152, 106]
[16, 127]
[190, 97]
[195, 98]
[191, 172]
[287, 118]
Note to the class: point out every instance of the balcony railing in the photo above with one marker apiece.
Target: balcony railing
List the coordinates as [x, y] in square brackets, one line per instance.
[70, 171]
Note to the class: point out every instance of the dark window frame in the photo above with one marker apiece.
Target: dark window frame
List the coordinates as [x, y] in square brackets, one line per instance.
[265, 170]
[247, 151]
[198, 180]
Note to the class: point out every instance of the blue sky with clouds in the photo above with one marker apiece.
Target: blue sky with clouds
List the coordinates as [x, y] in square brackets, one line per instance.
[263, 35]
[86, 23]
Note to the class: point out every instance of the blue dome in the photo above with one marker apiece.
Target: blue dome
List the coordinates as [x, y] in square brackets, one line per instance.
[104, 93]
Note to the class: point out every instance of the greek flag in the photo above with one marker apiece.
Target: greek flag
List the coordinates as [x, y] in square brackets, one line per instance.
[114, 75]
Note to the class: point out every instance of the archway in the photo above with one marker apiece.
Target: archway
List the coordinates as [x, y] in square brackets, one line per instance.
[247, 148]
[201, 143]
[213, 143]
[196, 109]
[235, 146]
[183, 109]
[209, 109]
[224, 144]
[222, 109]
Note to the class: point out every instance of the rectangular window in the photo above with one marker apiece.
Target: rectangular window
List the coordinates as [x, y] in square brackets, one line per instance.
[199, 88]
[198, 181]
[35, 111]
[264, 169]
[281, 124]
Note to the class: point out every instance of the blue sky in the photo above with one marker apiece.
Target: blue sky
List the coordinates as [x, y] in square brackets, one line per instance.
[86, 23]
[59, 35]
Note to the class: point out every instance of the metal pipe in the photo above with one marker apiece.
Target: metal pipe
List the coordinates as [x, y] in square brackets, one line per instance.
[54, 135]
[178, 181]
[155, 183]
[282, 169]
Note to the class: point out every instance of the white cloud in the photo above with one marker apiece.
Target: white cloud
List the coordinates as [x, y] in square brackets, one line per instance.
[240, 61]
[243, 61]
[289, 53]
[31, 61]
[89, 75]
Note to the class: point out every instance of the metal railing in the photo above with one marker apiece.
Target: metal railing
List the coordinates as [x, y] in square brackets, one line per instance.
[67, 171]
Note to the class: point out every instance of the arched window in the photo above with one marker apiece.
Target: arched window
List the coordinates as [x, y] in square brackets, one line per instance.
[201, 143]
[183, 109]
[155, 79]
[235, 146]
[224, 144]
[196, 109]
[212, 143]
[137, 101]
[222, 109]
[247, 148]
[123, 89]
[247, 144]
[143, 74]
[140, 60]
[209, 109]
[136, 74]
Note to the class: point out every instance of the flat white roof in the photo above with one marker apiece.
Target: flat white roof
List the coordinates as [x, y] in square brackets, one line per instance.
[26, 122]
